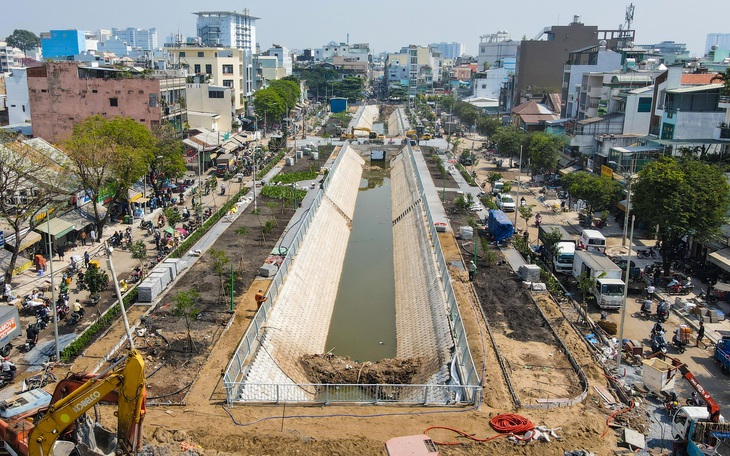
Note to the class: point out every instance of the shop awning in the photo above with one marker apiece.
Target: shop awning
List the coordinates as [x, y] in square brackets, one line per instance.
[29, 239]
[55, 227]
[76, 218]
[133, 195]
[721, 258]
[570, 169]
[621, 205]
[142, 200]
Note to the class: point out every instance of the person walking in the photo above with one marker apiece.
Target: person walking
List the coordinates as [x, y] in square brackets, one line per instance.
[701, 334]
[8, 368]
[260, 299]
[61, 251]
[472, 270]
[82, 236]
[92, 236]
[87, 259]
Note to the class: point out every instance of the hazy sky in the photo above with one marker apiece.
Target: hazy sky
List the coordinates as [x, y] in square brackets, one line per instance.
[386, 25]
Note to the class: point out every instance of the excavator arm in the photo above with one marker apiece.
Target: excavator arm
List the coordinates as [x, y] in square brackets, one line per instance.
[129, 385]
[712, 407]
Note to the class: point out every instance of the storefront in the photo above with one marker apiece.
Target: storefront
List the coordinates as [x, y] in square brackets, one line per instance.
[58, 231]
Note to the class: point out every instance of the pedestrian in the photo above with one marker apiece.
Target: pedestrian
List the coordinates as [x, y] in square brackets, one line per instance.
[701, 334]
[60, 251]
[472, 270]
[92, 236]
[8, 368]
[650, 291]
[604, 315]
[260, 299]
[83, 238]
[87, 259]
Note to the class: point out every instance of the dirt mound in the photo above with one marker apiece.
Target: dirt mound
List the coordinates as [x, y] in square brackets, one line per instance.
[328, 368]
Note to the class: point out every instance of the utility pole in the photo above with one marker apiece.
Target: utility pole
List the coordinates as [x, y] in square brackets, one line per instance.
[53, 287]
[519, 172]
[630, 178]
[109, 249]
[623, 307]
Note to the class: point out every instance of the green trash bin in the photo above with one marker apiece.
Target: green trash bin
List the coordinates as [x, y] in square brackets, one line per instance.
[128, 219]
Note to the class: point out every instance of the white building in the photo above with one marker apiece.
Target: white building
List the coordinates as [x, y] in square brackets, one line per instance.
[17, 96]
[145, 39]
[209, 107]
[488, 85]
[597, 60]
[495, 48]
[638, 110]
[358, 52]
[283, 56]
[227, 29]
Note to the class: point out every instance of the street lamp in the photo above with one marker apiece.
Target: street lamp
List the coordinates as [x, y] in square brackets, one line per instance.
[53, 287]
[623, 307]
[519, 173]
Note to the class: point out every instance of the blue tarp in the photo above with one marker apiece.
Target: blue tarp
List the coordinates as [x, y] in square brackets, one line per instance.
[500, 225]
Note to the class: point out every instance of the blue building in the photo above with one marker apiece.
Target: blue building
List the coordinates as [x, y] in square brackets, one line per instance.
[59, 44]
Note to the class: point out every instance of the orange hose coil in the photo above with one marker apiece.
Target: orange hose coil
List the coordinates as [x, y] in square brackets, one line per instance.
[506, 424]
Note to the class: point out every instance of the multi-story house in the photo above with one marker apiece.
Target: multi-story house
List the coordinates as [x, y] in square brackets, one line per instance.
[494, 49]
[229, 29]
[209, 107]
[283, 57]
[540, 61]
[18, 103]
[220, 66]
[64, 93]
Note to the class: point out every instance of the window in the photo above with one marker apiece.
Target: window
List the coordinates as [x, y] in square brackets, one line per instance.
[227, 69]
[182, 53]
[228, 83]
[208, 69]
[153, 103]
[197, 68]
[201, 54]
[215, 94]
[113, 102]
[94, 91]
[644, 104]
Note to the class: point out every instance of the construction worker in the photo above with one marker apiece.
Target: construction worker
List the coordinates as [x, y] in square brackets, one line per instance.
[260, 299]
[472, 270]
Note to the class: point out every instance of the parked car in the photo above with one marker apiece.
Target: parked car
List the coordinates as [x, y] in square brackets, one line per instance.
[506, 203]
[497, 188]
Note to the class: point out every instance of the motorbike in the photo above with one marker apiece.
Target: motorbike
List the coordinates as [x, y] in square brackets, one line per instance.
[695, 400]
[648, 253]
[30, 305]
[662, 315]
[645, 313]
[658, 344]
[5, 379]
[680, 288]
[61, 310]
[679, 345]
[538, 220]
[76, 317]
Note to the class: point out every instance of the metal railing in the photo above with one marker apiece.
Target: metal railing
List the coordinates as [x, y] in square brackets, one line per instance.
[468, 392]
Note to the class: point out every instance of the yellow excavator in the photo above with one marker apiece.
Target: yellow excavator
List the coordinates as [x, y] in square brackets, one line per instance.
[352, 135]
[122, 383]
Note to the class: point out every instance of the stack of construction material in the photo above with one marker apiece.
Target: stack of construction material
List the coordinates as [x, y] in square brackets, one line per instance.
[162, 275]
[530, 272]
[148, 290]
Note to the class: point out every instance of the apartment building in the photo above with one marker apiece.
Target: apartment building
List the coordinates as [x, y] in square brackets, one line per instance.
[64, 93]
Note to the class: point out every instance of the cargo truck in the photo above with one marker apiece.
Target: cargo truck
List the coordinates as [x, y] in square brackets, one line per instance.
[609, 289]
[722, 352]
[9, 328]
[562, 253]
[224, 164]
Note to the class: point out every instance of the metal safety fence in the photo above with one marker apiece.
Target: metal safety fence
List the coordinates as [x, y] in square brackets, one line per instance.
[468, 391]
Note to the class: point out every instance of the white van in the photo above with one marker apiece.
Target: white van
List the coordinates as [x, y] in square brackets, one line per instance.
[592, 240]
[497, 188]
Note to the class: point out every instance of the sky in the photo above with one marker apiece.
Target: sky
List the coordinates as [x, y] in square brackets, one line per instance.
[386, 25]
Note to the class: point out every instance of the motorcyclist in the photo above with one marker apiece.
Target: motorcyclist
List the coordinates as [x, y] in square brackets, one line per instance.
[646, 306]
[657, 329]
[676, 339]
[31, 333]
[78, 310]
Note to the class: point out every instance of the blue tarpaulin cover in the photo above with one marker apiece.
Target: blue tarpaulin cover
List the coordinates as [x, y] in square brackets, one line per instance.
[500, 225]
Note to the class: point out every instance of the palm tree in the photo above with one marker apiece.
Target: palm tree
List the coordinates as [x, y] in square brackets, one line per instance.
[725, 79]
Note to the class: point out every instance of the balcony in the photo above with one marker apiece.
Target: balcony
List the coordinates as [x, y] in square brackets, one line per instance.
[722, 132]
[724, 102]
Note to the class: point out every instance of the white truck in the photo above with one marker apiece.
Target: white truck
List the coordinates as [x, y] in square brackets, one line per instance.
[563, 254]
[609, 289]
[693, 430]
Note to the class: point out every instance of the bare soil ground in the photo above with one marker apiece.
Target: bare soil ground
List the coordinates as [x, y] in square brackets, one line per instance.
[196, 420]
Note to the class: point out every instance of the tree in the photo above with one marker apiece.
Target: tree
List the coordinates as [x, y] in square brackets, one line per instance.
[32, 186]
[173, 216]
[543, 150]
[269, 104]
[97, 280]
[186, 306]
[139, 251]
[288, 91]
[586, 285]
[23, 40]
[682, 197]
[108, 157]
[220, 263]
[550, 241]
[599, 193]
[526, 213]
[509, 139]
[725, 79]
[493, 177]
[168, 159]
[267, 228]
